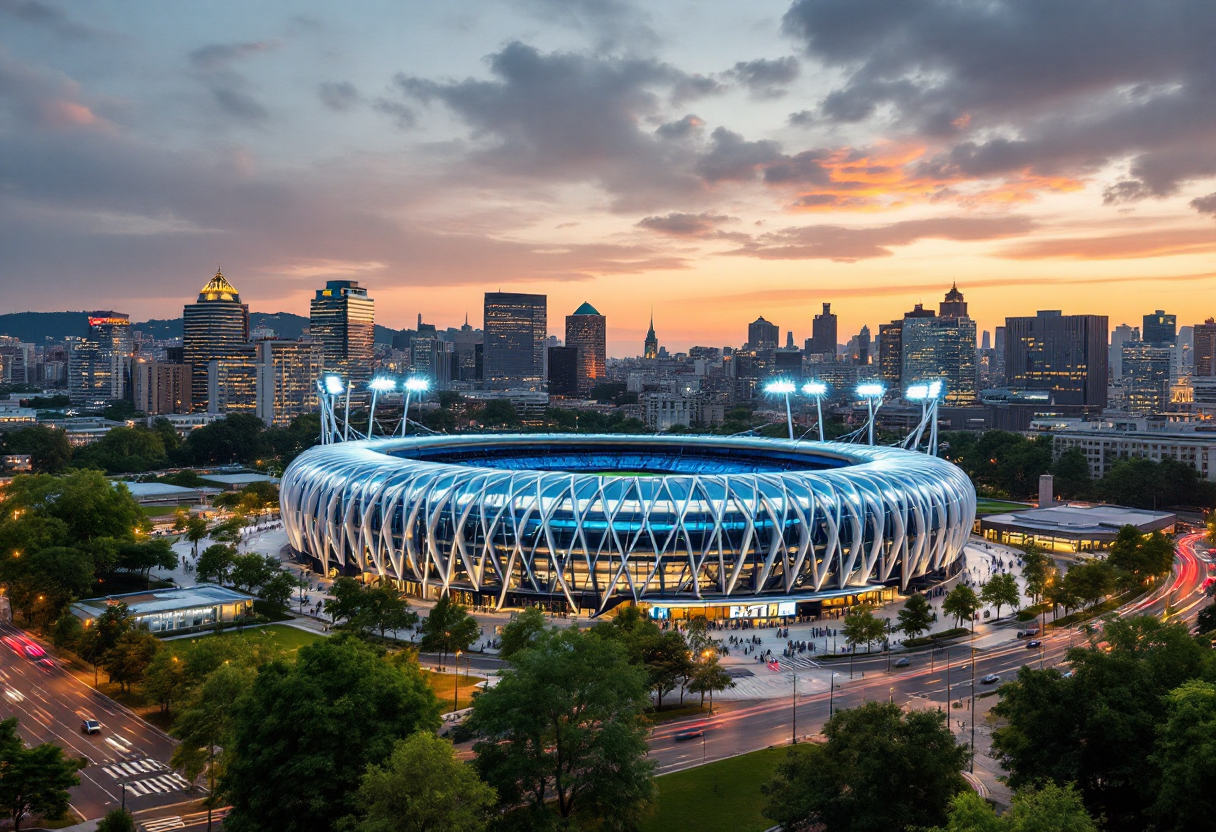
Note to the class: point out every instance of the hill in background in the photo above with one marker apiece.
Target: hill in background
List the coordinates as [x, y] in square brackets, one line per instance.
[36, 327]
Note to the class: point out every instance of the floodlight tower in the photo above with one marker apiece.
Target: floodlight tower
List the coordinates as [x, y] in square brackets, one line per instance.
[871, 391]
[816, 390]
[379, 384]
[414, 384]
[783, 387]
[928, 394]
[329, 388]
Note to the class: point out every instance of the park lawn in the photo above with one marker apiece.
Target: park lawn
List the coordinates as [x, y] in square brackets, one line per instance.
[986, 506]
[444, 685]
[291, 638]
[719, 797]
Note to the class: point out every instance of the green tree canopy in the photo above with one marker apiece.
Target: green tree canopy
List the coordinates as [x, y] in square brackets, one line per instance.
[563, 731]
[117, 820]
[320, 721]
[1046, 809]
[48, 447]
[1186, 758]
[962, 603]
[521, 631]
[33, 781]
[216, 563]
[861, 627]
[448, 627]
[1001, 591]
[915, 617]
[880, 770]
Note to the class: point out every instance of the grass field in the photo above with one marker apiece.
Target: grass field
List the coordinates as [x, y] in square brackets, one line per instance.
[986, 506]
[719, 797]
[444, 685]
[291, 638]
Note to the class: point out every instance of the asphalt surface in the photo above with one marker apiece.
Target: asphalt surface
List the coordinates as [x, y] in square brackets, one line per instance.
[50, 704]
[741, 727]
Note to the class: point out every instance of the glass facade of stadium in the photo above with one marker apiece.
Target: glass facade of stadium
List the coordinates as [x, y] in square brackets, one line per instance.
[742, 527]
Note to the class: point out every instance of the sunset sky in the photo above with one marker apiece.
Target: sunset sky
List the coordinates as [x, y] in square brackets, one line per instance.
[713, 160]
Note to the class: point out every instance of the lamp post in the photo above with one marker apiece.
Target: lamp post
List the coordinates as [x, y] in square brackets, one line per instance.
[794, 712]
[456, 700]
[832, 696]
[380, 384]
[871, 391]
[783, 387]
[816, 390]
[412, 385]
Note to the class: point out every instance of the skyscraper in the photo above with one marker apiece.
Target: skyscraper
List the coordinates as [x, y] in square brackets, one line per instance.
[1066, 354]
[891, 353]
[762, 335]
[941, 348]
[953, 306]
[1146, 376]
[823, 333]
[216, 327]
[161, 387]
[651, 349]
[516, 327]
[1118, 337]
[1205, 348]
[99, 363]
[587, 330]
[1159, 328]
[563, 371]
[343, 320]
[287, 373]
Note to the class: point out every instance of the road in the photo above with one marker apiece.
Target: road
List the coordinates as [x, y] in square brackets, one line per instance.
[740, 728]
[50, 704]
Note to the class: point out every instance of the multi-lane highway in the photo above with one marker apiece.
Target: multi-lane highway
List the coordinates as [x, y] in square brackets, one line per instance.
[760, 724]
[128, 755]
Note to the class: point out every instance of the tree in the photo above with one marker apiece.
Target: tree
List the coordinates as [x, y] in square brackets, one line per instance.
[118, 820]
[87, 503]
[100, 637]
[67, 631]
[861, 627]
[880, 770]
[195, 530]
[216, 563]
[1186, 757]
[165, 677]
[1206, 620]
[145, 555]
[252, 570]
[278, 589]
[130, 656]
[521, 631]
[322, 720]
[708, 675]
[384, 609]
[1046, 809]
[563, 731]
[44, 581]
[421, 787]
[345, 599]
[1071, 475]
[205, 725]
[1141, 557]
[1001, 590]
[1090, 581]
[1037, 572]
[34, 780]
[229, 531]
[916, 617]
[48, 448]
[663, 655]
[448, 628]
[962, 603]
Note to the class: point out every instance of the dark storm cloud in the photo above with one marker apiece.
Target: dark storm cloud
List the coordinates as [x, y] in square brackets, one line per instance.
[833, 242]
[802, 168]
[339, 96]
[685, 128]
[765, 78]
[1205, 204]
[1044, 87]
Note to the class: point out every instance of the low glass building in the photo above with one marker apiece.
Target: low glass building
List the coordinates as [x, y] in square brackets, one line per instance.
[173, 610]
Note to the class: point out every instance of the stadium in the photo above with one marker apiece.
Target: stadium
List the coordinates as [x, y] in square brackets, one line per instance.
[740, 527]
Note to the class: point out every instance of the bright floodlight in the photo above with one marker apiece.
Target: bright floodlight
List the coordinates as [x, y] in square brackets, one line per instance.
[780, 387]
[814, 388]
[416, 385]
[870, 391]
[381, 384]
[935, 389]
[334, 386]
[917, 393]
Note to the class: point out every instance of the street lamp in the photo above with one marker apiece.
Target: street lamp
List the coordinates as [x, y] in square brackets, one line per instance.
[816, 390]
[413, 385]
[456, 700]
[783, 387]
[379, 384]
[832, 696]
[871, 391]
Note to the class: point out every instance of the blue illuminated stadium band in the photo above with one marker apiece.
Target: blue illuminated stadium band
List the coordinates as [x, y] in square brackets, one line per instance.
[595, 520]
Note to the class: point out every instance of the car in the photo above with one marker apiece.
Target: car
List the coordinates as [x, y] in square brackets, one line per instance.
[690, 733]
[1031, 633]
[1034, 645]
[990, 679]
[14, 645]
[90, 726]
[904, 662]
[45, 663]
[32, 650]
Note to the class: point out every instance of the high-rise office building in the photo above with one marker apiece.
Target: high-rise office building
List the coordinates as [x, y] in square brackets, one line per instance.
[287, 373]
[1204, 346]
[1066, 354]
[516, 328]
[1118, 337]
[99, 363]
[941, 348]
[216, 327]
[823, 333]
[651, 347]
[863, 346]
[891, 353]
[563, 371]
[161, 387]
[342, 318]
[1159, 328]
[762, 335]
[587, 330]
[1146, 376]
[953, 306]
[232, 384]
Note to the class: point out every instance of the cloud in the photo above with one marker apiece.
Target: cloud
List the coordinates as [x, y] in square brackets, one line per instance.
[44, 100]
[1205, 204]
[731, 157]
[614, 24]
[765, 78]
[1161, 243]
[845, 244]
[1028, 89]
[229, 89]
[339, 96]
[703, 226]
[216, 56]
[35, 13]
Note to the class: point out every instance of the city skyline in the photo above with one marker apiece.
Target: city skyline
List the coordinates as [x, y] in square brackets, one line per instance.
[772, 158]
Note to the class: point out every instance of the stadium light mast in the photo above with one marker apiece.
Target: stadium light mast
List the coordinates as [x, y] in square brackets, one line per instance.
[816, 390]
[871, 391]
[414, 384]
[330, 387]
[379, 384]
[928, 394]
[783, 387]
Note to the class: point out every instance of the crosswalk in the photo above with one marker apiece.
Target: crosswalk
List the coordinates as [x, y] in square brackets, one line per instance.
[166, 824]
[161, 781]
